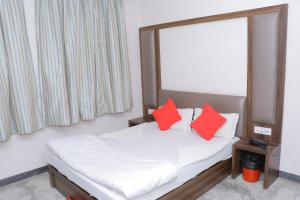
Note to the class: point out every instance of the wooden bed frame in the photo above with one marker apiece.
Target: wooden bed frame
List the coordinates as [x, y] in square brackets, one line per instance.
[188, 191]
[203, 181]
[213, 175]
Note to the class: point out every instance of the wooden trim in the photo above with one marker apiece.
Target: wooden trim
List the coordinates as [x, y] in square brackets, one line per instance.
[275, 138]
[249, 77]
[245, 146]
[272, 161]
[201, 183]
[267, 138]
[282, 10]
[141, 60]
[158, 63]
[140, 120]
[189, 190]
[271, 156]
[232, 15]
[51, 176]
[145, 107]
[282, 37]
[67, 187]
[236, 162]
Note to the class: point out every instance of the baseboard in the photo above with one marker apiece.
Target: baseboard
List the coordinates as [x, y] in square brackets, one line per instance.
[22, 176]
[288, 176]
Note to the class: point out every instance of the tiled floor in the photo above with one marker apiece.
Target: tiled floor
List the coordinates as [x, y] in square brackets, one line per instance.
[34, 188]
[38, 188]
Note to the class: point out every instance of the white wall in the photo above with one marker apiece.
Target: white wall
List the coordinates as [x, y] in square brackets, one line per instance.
[188, 49]
[24, 153]
[158, 11]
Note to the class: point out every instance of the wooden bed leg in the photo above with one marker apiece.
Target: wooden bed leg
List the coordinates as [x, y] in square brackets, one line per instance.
[50, 171]
[66, 187]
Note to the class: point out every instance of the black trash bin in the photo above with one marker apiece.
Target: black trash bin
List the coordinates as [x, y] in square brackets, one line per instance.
[251, 167]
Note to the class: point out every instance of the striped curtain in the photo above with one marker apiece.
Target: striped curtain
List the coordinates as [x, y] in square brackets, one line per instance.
[19, 112]
[83, 64]
[83, 59]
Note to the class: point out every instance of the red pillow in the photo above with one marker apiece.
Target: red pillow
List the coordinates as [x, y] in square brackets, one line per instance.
[208, 122]
[167, 115]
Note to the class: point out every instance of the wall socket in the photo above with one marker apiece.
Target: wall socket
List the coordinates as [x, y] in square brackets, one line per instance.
[263, 130]
[150, 110]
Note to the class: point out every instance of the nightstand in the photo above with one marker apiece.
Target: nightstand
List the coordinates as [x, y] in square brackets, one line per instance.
[271, 156]
[140, 120]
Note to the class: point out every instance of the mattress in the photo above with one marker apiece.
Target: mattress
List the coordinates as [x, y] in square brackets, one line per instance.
[160, 146]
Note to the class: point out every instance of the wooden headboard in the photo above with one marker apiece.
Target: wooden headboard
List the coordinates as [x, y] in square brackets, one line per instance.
[222, 103]
[265, 71]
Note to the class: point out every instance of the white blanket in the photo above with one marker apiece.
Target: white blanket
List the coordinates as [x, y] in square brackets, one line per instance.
[129, 133]
[194, 153]
[114, 169]
[180, 148]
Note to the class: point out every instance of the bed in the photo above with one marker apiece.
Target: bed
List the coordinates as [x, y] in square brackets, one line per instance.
[192, 180]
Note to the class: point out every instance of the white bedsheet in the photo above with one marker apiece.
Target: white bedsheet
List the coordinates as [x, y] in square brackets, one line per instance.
[112, 168]
[182, 149]
[126, 133]
[177, 147]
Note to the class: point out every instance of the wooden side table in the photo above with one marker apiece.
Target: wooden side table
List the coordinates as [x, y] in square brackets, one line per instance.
[140, 120]
[271, 156]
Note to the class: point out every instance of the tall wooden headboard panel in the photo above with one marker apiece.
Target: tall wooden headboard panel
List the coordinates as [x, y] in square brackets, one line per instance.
[266, 54]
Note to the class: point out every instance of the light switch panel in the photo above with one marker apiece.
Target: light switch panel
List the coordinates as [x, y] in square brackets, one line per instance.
[262, 130]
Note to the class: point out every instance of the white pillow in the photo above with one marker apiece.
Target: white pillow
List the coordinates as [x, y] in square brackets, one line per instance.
[198, 112]
[228, 129]
[186, 119]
